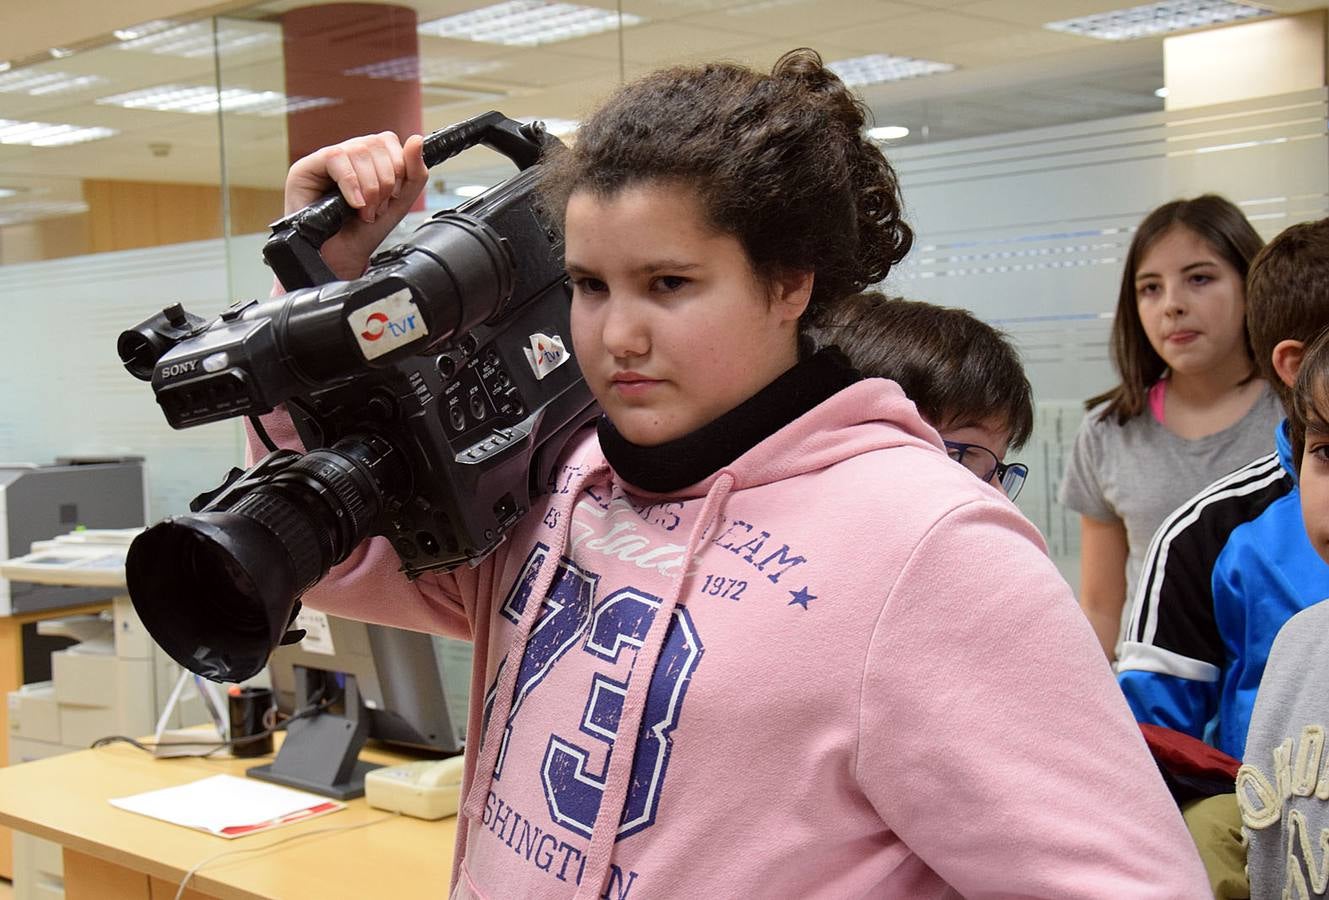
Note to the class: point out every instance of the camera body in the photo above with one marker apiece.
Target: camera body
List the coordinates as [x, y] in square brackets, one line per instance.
[433, 395]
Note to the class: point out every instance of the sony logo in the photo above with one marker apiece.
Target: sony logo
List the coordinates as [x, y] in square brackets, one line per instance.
[180, 368]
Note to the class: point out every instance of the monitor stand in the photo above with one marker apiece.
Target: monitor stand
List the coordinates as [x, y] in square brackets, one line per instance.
[320, 753]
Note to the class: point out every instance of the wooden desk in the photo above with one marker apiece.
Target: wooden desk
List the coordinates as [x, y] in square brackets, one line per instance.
[11, 679]
[111, 854]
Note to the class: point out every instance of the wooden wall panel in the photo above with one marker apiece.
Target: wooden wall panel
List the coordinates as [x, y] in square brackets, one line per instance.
[124, 215]
[254, 209]
[44, 239]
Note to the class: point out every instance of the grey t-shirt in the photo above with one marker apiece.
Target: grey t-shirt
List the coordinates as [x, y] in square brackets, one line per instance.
[1139, 472]
[1283, 785]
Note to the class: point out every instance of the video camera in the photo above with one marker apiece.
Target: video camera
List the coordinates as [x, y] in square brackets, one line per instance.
[433, 392]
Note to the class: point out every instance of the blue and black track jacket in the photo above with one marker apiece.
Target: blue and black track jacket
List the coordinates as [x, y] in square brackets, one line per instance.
[1221, 576]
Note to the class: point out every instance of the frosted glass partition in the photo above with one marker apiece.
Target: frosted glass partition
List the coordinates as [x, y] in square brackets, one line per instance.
[63, 391]
[1029, 230]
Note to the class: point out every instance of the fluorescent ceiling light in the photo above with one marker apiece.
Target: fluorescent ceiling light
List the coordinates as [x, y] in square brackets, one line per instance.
[467, 191]
[761, 6]
[196, 40]
[1161, 93]
[7, 192]
[882, 67]
[559, 128]
[68, 86]
[888, 132]
[60, 52]
[204, 100]
[412, 68]
[526, 23]
[146, 28]
[47, 134]
[26, 81]
[1155, 18]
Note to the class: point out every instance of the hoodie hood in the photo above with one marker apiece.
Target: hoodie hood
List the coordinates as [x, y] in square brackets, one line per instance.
[849, 424]
[816, 414]
[690, 458]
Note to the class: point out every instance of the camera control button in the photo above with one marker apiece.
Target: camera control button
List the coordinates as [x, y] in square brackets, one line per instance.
[236, 309]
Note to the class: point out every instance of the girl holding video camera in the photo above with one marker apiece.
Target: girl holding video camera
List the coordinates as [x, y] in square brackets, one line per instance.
[762, 637]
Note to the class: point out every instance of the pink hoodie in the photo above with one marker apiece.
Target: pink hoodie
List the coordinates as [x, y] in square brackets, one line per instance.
[866, 679]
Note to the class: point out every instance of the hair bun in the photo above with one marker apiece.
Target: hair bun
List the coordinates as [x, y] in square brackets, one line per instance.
[805, 67]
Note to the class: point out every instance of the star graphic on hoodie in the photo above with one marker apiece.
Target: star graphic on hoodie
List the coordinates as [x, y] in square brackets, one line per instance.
[801, 597]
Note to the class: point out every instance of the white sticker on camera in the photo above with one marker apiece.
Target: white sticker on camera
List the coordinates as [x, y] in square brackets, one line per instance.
[386, 324]
[545, 354]
[318, 632]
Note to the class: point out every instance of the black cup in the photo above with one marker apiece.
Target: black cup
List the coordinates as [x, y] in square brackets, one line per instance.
[247, 707]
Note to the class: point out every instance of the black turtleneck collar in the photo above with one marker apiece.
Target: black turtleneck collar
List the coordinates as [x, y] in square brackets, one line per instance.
[693, 457]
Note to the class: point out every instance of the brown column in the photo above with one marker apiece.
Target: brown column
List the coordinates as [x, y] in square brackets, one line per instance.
[331, 51]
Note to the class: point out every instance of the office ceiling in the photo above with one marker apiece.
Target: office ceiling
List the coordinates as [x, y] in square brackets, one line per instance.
[1010, 74]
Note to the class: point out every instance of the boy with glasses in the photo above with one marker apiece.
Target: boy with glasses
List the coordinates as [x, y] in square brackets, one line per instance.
[962, 374]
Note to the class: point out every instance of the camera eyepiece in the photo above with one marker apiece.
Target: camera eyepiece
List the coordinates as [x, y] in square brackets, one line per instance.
[140, 347]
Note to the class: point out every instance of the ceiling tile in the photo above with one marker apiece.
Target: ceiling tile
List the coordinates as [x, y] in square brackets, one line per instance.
[790, 19]
[656, 43]
[1018, 45]
[915, 34]
[541, 67]
[1035, 13]
[669, 10]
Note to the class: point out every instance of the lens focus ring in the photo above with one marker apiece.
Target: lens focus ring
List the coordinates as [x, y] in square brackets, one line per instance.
[352, 492]
[293, 528]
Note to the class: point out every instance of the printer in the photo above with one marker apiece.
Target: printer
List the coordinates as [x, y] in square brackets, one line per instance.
[39, 502]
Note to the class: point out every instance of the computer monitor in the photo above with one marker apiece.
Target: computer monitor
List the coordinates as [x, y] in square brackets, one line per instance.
[356, 682]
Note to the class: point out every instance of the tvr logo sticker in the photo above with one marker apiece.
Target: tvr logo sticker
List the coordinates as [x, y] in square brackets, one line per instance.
[386, 324]
[374, 327]
[545, 354]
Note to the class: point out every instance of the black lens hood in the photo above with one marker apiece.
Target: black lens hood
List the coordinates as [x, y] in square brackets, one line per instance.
[215, 590]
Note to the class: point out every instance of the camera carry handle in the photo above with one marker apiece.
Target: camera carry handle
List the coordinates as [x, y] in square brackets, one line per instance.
[292, 249]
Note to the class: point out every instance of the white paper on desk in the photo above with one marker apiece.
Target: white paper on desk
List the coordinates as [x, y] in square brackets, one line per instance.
[228, 806]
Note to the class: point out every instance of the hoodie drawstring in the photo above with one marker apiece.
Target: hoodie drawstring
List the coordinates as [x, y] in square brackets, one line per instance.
[612, 799]
[507, 681]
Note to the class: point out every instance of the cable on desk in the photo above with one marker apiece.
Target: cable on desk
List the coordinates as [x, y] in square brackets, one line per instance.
[269, 720]
[184, 882]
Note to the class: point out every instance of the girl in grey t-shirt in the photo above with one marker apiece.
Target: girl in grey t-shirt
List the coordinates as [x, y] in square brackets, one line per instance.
[1190, 406]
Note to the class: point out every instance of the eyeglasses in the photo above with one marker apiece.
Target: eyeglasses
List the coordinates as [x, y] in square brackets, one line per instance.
[984, 463]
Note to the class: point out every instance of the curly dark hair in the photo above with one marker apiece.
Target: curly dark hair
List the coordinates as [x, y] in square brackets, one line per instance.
[779, 161]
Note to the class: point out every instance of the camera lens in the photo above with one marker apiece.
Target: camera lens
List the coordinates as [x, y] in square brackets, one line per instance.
[240, 569]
